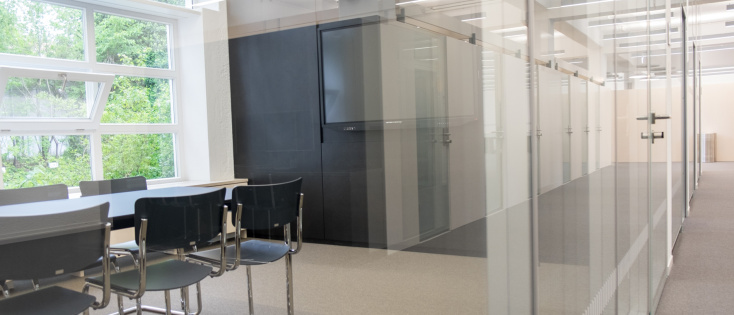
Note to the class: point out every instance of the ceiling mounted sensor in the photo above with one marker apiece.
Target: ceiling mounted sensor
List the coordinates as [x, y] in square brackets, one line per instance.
[729, 24]
[730, 7]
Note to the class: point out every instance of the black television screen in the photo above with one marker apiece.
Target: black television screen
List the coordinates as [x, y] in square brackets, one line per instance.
[351, 74]
[376, 76]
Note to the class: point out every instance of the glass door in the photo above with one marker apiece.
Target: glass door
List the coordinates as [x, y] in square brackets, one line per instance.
[433, 138]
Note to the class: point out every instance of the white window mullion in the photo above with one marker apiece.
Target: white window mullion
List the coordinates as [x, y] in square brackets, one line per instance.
[11, 60]
[90, 47]
[134, 71]
[133, 128]
[97, 167]
[2, 183]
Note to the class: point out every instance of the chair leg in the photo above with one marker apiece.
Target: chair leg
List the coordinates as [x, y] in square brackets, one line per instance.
[6, 290]
[168, 302]
[139, 306]
[249, 290]
[289, 282]
[185, 300]
[120, 308]
[198, 298]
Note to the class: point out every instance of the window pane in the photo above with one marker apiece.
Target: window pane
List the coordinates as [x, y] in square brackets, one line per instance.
[148, 155]
[30, 161]
[179, 3]
[41, 29]
[131, 42]
[139, 100]
[48, 98]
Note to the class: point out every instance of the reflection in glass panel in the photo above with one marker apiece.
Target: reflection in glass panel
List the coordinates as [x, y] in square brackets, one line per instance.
[29, 161]
[437, 61]
[131, 42]
[48, 98]
[139, 100]
[41, 29]
[148, 155]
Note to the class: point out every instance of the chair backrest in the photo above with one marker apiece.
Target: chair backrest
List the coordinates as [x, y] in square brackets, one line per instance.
[42, 246]
[180, 222]
[267, 206]
[33, 194]
[111, 186]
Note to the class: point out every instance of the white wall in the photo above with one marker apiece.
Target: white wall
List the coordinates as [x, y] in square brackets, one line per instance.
[717, 112]
[204, 97]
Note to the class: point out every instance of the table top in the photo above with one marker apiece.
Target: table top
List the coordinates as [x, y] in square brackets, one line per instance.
[122, 205]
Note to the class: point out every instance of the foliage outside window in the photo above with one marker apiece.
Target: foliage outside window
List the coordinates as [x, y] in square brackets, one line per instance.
[139, 100]
[138, 97]
[179, 3]
[148, 155]
[30, 161]
[40, 29]
[45, 98]
[130, 42]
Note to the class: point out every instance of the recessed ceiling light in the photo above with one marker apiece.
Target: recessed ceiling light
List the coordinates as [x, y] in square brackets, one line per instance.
[568, 5]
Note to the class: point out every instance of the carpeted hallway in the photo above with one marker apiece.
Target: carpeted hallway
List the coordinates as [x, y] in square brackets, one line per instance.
[702, 277]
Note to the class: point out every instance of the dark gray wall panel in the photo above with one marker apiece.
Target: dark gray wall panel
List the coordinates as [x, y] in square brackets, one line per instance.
[275, 114]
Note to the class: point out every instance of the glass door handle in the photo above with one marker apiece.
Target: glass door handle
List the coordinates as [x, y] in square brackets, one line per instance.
[653, 118]
[655, 135]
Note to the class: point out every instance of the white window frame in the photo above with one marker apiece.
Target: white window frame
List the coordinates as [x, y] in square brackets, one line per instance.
[91, 122]
[92, 68]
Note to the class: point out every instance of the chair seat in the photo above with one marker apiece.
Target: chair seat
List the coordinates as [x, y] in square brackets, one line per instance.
[253, 252]
[98, 263]
[51, 300]
[167, 275]
[129, 245]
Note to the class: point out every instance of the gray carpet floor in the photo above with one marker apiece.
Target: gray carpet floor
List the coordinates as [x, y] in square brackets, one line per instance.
[702, 277]
[339, 280]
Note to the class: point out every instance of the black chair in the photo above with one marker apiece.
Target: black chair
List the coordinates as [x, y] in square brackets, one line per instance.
[111, 186]
[33, 194]
[26, 195]
[263, 207]
[74, 239]
[171, 223]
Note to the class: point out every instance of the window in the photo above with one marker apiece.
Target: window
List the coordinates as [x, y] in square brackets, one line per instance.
[138, 100]
[130, 42]
[179, 3]
[30, 160]
[41, 29]
[75, 108]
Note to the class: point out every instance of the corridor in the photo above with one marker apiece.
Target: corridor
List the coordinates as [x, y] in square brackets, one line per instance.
[702, 277]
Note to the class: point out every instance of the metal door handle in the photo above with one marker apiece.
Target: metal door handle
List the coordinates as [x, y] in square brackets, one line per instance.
[655, 135]
[653, 118]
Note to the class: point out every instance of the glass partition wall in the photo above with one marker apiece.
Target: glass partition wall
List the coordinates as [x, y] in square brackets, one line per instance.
[517, 154]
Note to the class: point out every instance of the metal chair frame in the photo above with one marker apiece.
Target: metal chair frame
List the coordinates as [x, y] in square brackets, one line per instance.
[105, 287]
[288, 256]
[142, 266]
